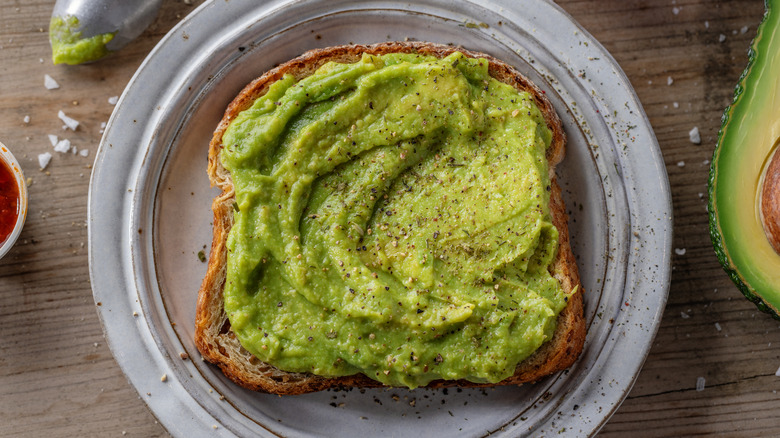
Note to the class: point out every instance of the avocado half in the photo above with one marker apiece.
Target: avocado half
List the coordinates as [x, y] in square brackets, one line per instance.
[747, 141]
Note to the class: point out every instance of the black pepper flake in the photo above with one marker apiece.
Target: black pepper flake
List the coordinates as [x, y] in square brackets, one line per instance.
[279, 304]
[420, 311]
[310, 338]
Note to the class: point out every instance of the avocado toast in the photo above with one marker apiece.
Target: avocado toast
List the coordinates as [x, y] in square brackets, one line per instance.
[495, 266]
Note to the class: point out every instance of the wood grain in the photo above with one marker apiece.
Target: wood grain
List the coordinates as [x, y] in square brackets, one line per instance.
[58, 378]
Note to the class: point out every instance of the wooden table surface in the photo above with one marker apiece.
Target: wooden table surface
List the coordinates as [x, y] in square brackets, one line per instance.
[58, 378]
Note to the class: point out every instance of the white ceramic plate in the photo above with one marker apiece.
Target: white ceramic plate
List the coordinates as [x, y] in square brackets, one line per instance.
[149, 216]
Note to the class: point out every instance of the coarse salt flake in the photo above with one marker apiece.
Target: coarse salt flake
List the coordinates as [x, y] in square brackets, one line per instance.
[675, 10]
[676, 104]
[669, 80]
[113, 99]
[43, 160]
[700, 384]
[69, 122]
[694, 136]
[679, 251]
[718, 327]
[26, 119]
[50, 83]
[62, 146]
[53, 139]
[681, 164]
[684, 315]
[743, 30]
[84, 153]
[721, 38]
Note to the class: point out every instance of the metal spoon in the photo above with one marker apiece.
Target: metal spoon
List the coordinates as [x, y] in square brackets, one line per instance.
[128, 18]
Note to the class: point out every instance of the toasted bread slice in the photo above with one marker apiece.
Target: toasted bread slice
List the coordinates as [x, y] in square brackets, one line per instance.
[219, 345]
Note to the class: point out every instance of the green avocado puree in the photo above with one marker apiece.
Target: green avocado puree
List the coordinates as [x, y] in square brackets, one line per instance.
[392, 219]
[68, 47]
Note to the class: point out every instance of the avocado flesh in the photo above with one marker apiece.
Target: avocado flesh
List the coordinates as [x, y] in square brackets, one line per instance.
[748, 136]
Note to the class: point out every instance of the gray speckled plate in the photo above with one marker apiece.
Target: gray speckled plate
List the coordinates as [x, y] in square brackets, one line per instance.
[149, 216]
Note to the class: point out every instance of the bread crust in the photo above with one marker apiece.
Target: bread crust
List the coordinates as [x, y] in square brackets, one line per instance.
[219, 345]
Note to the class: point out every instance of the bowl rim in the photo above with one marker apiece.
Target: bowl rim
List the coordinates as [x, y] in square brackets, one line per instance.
[8, 157]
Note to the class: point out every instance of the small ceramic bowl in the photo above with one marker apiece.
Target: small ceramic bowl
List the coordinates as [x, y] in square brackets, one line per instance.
[10, 161]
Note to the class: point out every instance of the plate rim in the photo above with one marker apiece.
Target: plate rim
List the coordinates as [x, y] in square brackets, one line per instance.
[98, 281]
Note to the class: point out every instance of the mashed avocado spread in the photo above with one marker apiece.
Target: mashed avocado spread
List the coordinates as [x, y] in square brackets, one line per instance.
[392, 219]
[68, 47]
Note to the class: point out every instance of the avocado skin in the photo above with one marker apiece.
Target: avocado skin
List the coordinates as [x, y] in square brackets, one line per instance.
[718, 242]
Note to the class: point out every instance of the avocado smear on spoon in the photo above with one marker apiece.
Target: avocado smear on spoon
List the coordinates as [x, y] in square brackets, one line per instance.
[68, 47]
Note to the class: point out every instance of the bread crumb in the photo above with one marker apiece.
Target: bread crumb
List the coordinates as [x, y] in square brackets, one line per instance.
[135, 314]
[50, 83]
[694, 136]
[184, 356]
[164, 378]
[700, 384]
[43, 160]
